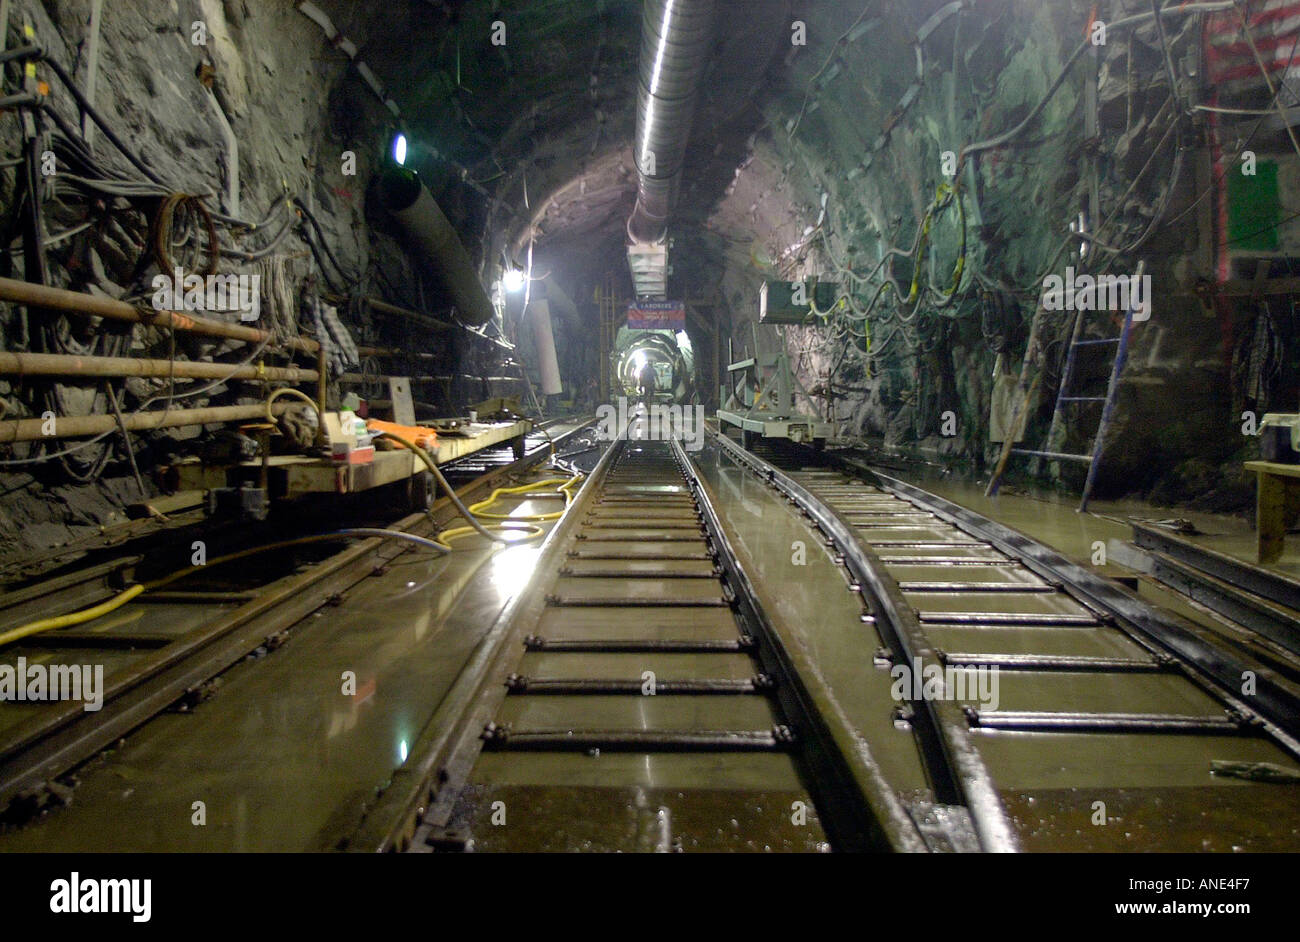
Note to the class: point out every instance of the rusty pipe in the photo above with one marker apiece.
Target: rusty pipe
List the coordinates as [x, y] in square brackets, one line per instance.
[82, 426]
[87, 305]
[58, 364]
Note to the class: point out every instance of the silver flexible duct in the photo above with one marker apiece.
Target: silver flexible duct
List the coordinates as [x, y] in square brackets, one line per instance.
[675, 39]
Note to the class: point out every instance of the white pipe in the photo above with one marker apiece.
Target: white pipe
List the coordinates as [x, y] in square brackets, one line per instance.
[92, 69]
[543, 338]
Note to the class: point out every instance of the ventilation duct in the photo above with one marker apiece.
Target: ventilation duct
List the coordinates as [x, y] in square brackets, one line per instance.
[548, 366]
[435, 237]
[675, 40]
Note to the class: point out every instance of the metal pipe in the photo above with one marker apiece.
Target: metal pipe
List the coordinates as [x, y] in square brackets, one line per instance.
[82, 426]
[675, 38]
[322, 394]
[59, 364]
[383, 307]
[411, 204]
[92, 68]
[87, 305]
[544, 340]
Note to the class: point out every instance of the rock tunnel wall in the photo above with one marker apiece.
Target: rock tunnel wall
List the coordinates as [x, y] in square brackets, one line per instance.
[270, 72]
[821, 149]
[850, 159]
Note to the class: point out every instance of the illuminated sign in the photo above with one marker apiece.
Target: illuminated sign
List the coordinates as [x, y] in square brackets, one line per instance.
[656, 315]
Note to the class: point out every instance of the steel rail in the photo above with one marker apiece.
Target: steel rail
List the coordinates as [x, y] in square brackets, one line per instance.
[442, 755]
[57, 740]
[857, 805]
[958, 770]
[1216, 670]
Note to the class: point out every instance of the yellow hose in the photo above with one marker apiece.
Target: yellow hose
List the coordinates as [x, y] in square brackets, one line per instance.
[288, 391]
[89, 614]
[566, 486]
[73, 618]
[474, 513]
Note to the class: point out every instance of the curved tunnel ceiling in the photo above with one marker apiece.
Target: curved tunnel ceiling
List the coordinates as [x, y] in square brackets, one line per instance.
[535, 137]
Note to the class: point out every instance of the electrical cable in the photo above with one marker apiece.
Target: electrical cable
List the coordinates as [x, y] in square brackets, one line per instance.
[72, 618]
[132, 591]
[163, 224]
[450, 491]
[88, 109]
[1170, 75]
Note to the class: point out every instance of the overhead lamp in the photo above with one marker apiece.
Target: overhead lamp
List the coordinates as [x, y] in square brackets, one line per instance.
[513, 280]
[399, 150]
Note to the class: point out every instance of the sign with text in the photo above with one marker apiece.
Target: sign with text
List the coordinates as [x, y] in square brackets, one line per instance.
[656, 315]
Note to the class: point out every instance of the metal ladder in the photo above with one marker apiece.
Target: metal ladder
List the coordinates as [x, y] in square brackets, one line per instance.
[608, 329]
[1051, 450]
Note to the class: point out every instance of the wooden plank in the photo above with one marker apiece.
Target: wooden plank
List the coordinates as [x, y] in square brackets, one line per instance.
[388, 467]
[1270, 514]
[1274, 468]
[305, 475]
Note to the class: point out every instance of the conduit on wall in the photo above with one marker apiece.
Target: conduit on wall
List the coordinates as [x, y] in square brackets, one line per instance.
[349, 49]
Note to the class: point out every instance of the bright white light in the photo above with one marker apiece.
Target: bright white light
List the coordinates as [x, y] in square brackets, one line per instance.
[638, 362]
[513, 279]
[399, 150]
[401, 749]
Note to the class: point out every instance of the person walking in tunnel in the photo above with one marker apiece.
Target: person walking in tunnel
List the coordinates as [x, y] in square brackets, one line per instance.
[645, 381]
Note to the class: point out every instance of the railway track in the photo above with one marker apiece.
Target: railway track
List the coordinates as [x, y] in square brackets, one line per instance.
[162, 650]
[637, 693]
[1114, 725]
[635, 697]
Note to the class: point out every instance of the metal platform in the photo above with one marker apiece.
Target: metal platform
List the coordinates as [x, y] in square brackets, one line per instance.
[293, 476]
[760, 400]
[800, 429]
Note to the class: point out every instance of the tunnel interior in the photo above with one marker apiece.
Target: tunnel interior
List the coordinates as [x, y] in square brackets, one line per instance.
[260, 253]
[932, 165]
